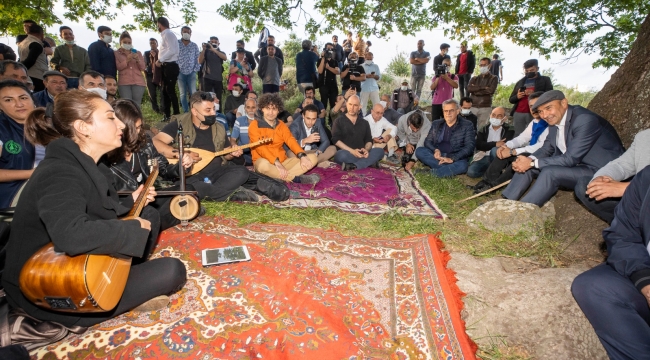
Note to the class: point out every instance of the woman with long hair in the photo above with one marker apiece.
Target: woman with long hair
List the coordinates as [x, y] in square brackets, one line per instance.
[69, 202]
[130, 65]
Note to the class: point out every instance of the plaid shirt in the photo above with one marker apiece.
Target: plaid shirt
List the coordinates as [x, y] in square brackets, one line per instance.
[188, 57]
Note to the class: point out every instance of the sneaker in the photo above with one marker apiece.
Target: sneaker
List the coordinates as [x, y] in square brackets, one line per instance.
[309, 179]
[348, 167]
[155, 304]
[243, 194]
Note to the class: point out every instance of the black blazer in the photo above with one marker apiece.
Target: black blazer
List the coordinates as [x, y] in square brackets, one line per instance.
[481, 138]
[590, 141]
[298, 131]
[68, 201]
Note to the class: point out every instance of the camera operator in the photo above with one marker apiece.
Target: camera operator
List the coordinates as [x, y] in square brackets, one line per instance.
[328, 68]
[353, 73]
[211, 59]
[442, 87]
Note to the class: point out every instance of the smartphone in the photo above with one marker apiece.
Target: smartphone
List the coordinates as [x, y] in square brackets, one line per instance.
[225, 255]
[522, 89]
[372, 73]
[134, 51]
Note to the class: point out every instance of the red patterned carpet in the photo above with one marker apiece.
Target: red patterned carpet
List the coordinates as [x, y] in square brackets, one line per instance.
[306, 294]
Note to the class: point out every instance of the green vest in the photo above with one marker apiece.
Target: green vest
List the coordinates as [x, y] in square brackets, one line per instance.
[189, 131]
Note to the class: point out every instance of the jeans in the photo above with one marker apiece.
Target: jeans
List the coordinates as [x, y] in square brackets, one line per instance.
[417, 81]
[463, 81]
[477, 168]
[133, 92]
[425, 155]
[270, 89]
[186, 87]
[169, 78]
[344, 156]
[73, 83]
[231, 118]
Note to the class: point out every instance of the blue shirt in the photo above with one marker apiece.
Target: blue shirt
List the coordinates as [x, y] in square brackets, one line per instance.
[306, 66]
[188, 57]
[221, 118]
[370, 85]
[102, 58]
[240, 131]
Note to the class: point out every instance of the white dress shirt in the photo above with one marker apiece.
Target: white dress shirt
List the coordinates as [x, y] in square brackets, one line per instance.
[521, 144]
[168, 51]
[560, 141]
[378, 127]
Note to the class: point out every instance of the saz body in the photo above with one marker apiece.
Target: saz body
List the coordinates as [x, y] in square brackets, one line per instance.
[208, 156]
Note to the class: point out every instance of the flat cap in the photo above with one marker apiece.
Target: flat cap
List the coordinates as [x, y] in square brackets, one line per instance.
[405, 81]
[53, 73]
[548, 97]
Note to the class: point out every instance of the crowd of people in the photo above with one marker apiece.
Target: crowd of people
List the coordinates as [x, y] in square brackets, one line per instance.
[71, 123]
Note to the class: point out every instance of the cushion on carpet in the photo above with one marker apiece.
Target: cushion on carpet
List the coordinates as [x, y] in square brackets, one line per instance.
[306, 294]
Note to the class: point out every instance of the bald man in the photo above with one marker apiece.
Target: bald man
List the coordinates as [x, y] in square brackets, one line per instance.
[383, 132]
[490, 137]
[352, 137]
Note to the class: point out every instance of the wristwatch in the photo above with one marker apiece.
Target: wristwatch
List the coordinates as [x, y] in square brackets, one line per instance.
[513, 152]
[532, 163]
[301, 155]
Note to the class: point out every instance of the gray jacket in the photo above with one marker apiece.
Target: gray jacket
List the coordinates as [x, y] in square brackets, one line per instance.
[404, 132]
[270, 70]
[631, 162]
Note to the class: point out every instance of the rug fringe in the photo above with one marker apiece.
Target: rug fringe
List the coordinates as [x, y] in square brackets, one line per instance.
[457, 293]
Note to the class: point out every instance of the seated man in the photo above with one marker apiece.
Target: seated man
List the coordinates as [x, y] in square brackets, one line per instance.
[579, 142]
[233, 102]
[389, 113]
[412, 130]
[500, 169]
[449, 144]
[602, 192]
[271, 159]
[615, 295]
[55, 83]
[93, 81]
[383, 133]
[311, 136]
[404, 99]
[351, 135]
[241, 110]
[491, 137]
[219, 179]
[466, 111]
[310, 93]
[240, 131]
[221, 118]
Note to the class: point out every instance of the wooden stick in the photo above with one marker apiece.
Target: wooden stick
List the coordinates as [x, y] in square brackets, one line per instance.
[485, 192]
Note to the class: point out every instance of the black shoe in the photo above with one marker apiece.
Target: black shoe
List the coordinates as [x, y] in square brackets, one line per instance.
[201, 211]
[309, 179]
[375, 165]
[481, 186]
[348, 167]
[243, 194]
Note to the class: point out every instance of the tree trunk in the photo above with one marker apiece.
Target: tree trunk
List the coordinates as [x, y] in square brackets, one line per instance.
[625, 99]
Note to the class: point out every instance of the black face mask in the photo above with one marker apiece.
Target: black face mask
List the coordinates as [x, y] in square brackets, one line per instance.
[209, 120]
[531, 75]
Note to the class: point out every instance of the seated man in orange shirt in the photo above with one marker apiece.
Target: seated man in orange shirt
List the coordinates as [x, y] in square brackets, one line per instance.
[271, 159]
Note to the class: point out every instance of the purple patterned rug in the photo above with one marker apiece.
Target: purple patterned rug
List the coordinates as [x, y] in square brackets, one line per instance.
[370, 191]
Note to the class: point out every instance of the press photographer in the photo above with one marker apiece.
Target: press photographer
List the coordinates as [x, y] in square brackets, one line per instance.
[328, 68]
[353, 73]
[442, 87]
[211, 59]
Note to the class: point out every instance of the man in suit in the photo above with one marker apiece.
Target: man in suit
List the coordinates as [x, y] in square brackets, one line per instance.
[579, 142]
[311, 135]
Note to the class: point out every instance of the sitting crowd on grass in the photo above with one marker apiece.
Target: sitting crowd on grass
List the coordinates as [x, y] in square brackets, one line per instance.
[68, 148]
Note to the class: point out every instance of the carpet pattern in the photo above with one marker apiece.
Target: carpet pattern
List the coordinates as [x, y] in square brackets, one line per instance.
[306, 294]
[370, 191]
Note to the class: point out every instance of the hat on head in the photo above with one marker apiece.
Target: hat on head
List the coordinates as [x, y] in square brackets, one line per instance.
[548, 97]
[405, 81]
[53, 73]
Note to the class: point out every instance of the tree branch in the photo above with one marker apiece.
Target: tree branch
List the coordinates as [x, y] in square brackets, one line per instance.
[484, 13]
[153, 14]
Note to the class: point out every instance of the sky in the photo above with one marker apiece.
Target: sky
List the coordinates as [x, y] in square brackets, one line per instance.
[578, 73]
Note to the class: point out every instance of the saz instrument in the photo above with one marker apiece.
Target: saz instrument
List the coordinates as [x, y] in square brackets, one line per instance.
[184, 207]
[82, 283]
[207, 156]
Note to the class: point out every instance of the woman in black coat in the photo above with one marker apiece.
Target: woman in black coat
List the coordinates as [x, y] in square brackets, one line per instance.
[69, 202]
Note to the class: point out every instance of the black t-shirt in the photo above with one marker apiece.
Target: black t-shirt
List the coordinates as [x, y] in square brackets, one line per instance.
[203, 139]
[356, 72]
[494, 67]
[355, 135]
[437, 60]
[213, 68]
[329, 78]
[284, 116]
[445, 142]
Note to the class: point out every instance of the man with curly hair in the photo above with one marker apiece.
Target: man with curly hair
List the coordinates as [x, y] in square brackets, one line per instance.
[271, 159]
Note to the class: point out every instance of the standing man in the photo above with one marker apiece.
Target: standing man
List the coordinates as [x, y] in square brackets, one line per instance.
[71, 60]
[444, 54]
[353, 74]
[532, 82]
[465, 65]
[419, 61]
[328, 68]
[168, 60]
[306, 72]
[188, 65]
[263, 51]
[270, 70]
[482, 89]
[212, 59]
[339, 53]
[370, 88]
[496, 68]
[150, 58]
[55, 83]
[32, 55]
[102, 57]
[442, 88]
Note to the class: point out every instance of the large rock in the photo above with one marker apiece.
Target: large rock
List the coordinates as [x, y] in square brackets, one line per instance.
[511, 217]
[533, 310]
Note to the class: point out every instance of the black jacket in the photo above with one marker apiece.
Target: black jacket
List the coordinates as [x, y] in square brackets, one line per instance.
[462, 138]
[68, 201]
[250, 58]
[481, 138]
[471, 62]
[542, 83]
[123, 178]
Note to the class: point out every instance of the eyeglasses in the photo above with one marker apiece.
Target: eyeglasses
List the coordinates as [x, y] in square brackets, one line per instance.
[449, 111]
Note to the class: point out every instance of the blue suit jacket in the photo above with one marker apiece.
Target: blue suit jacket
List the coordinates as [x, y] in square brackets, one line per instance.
[41, 98]
[590, 140]
[298, 131]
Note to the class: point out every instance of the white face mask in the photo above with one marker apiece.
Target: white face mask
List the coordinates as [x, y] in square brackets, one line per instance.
[216, 107]
[495, 122]
[404, 88]
[235, 93]
[71, 42]
[107, 39]
[368, 62]
[99, 91]
[127, 46]
[465, 111]
[186, 36]
[483, 69]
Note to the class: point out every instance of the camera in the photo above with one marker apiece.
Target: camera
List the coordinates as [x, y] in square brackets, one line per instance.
[329, 54]
[441, 70]
[352, 65]
[206, 44]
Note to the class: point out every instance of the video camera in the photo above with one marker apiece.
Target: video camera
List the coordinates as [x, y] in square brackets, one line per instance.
[206, 44]
[352, 65]
[329, 54]
[441, 70]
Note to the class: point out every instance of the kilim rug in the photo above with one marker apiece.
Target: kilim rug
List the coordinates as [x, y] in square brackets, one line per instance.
[370, 191]
[306, 294]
